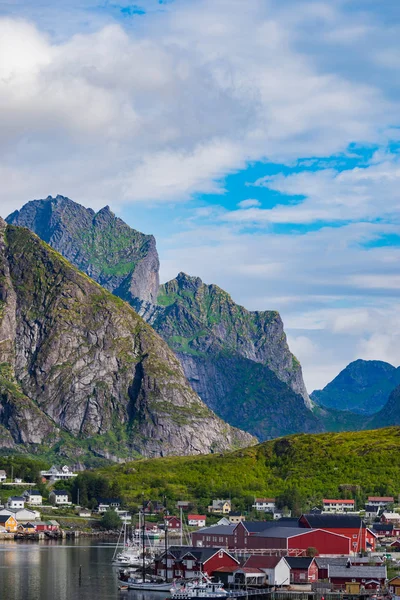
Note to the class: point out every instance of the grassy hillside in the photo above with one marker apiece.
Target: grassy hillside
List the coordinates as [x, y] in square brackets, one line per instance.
[301, 469]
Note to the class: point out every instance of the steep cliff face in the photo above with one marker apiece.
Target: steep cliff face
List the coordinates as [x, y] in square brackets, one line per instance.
[76, 360]
[362, 387]
[203, 319]
[236, 360]
[119, 258]
[201, 323]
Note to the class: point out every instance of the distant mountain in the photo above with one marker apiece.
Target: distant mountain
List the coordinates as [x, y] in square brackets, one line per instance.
[238, 361]
[362, 387]
[390, 413]
[121, 259]
[81, 371]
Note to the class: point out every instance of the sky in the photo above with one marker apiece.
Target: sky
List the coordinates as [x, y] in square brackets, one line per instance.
[258, 140]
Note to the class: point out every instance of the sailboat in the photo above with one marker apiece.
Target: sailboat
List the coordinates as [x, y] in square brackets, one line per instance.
[132, 554]
[134, 581]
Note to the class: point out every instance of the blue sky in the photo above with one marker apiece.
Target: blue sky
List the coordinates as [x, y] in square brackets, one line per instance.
[258, 141]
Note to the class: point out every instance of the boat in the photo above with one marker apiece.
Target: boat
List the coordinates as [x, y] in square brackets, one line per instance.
[205, 589]
[130, 578]
[144, 582]
[132, 553]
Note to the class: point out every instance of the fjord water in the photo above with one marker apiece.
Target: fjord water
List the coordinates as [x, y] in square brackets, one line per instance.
[50, 571]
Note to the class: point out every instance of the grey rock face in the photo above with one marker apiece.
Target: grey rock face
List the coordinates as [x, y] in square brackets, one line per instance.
[122, 260]
[78, 360]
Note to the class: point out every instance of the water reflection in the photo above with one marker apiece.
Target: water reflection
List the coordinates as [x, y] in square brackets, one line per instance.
[50, 570]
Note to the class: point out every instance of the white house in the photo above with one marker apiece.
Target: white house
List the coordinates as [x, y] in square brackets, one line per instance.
[33, 497]
[58, 473]
[197, 520]
[3, 475]
[264, 504]
[338, 505]
[104, 504]
[85, 512]
[59, 498]
[380, 500]
[15, 502]
[22, 515]
[276, 569]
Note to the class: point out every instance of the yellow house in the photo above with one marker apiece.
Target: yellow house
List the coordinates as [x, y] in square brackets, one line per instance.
[9, 523]
[220, 507]
[394, 586]
[26, 528]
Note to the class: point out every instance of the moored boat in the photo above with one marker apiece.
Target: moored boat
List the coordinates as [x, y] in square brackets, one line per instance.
[205, 589]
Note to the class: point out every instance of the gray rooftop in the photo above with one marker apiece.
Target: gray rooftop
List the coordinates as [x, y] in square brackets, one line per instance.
[218, 530]
[282, 532]
[357, 572]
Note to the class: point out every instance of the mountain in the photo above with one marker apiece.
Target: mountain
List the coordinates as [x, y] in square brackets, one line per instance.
[297, 470]
[362, 387]
[390, 413]
[236, 360]
[79, 368]
[119, 258]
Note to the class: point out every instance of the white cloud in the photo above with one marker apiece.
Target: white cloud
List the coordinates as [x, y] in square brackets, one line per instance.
[165, 110]
[250, 202]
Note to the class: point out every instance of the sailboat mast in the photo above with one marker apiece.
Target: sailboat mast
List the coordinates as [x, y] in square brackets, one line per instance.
[181, 518]
[166, 538]
[143, 542]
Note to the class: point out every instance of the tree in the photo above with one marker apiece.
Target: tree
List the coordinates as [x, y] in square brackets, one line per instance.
[110, 520]
[311, 551]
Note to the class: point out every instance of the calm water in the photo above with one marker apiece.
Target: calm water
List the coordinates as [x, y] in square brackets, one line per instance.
[50, 571]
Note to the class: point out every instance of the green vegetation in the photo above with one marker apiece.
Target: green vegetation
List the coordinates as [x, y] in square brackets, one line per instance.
[299, 470]
[110, 520]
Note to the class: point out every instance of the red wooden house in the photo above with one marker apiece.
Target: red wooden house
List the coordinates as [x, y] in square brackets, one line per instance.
[183, 561]
[47, 525]
[173, 523]
[303, 569]
[351, 526]
[296, 541]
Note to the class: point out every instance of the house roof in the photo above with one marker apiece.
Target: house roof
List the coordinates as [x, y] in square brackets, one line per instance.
[218, 529]
[2, 472]
[59, 493]
[334, 521]
[382, 526]
[33, 492]
[388, 499]
[200, 554]
[236, 513]
[363, 572]
[324, 561]
[339, 501]
[262, 562]
[282, 532]
[261, 500]
[197, 517]
[255, 526]
[299, 562]
[372, 508]
[392, 516]
[4, 518]
[18, 498]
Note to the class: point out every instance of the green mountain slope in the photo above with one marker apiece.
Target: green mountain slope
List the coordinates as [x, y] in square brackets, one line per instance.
[362, 387]
[390, 413]
[308, 467]
[77, 363]
[238, 361]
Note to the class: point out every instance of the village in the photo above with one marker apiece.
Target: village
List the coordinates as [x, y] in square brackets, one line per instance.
[331, 548]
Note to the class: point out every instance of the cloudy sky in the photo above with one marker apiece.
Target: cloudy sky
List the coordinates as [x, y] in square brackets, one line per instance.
[258, 140]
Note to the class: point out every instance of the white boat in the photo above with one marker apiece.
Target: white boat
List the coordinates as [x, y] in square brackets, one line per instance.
[204, 589]
[132, 553]
[135, 582]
